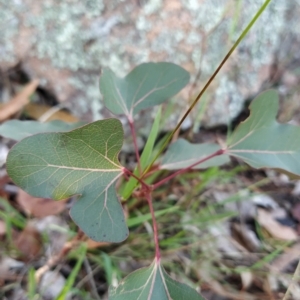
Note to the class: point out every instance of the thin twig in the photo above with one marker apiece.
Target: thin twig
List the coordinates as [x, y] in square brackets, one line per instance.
[163, 181]
[49, 113]
[296, 277]
[54, 260]
[137, 154]
[57, 258]
[19, 101]
[91, 278]
[86, 278]
[141, 181]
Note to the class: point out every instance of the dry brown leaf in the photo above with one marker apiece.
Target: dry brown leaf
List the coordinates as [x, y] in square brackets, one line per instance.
[29, 243]
[221, 290]
[18, 102]
[245, 236]
[93, 244]
[277, 230]
[36, 111]
[2, 228]
[39, 207]
[281, 262]
[8, 269]
[3, 181]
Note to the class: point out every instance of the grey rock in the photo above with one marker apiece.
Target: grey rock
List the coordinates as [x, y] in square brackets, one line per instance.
[75, 39]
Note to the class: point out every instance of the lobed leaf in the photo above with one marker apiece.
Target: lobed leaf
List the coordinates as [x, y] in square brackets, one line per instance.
[152, 283]
[182, 154]
[81, 162]
[263, 142]
[18, 130]
[147, 85]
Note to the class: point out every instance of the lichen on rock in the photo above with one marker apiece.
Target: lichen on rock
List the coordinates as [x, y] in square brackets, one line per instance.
[78, 38]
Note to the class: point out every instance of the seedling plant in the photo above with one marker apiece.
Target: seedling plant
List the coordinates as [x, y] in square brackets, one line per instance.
[84, 162]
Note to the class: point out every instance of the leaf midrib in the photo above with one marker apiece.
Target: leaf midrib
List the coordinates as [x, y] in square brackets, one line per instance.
[262, 151]
[118, 169]
[153, 90]
[171, 164]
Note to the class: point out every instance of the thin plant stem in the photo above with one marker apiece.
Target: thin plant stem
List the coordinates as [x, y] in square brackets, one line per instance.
[154, 225]
[154, 170]
[137, 154]
[294, 279]
[52, 261]
[243, 34]
[91, 279]
[141, 181]
[163, 181]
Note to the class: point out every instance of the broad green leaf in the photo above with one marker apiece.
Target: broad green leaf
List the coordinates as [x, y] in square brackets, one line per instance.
[145, 86]
[263, 142]
[152, 283]
[18, 130]
[82, 162]
[182, 154]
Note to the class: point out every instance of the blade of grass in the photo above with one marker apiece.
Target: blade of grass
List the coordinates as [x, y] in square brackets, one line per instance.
[174, 241]
[108, 267]
[145, 157]
[10, 212]
[112, 272]
[200, 113]
[11, 217]
[294, 281]
[141, 219]
[71, 279]
[271, 256]
[31, 283]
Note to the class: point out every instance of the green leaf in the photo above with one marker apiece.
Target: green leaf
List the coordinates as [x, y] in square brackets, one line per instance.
[18, 130]
[182, 154]
[263, 142]
[145, 86]
[82, 162]
[152, 283]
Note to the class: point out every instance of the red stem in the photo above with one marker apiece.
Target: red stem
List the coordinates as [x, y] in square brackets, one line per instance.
[163, 181]
[147, 193]
[154, 224]
[131, 124]
[141, 181]
[149, 173]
